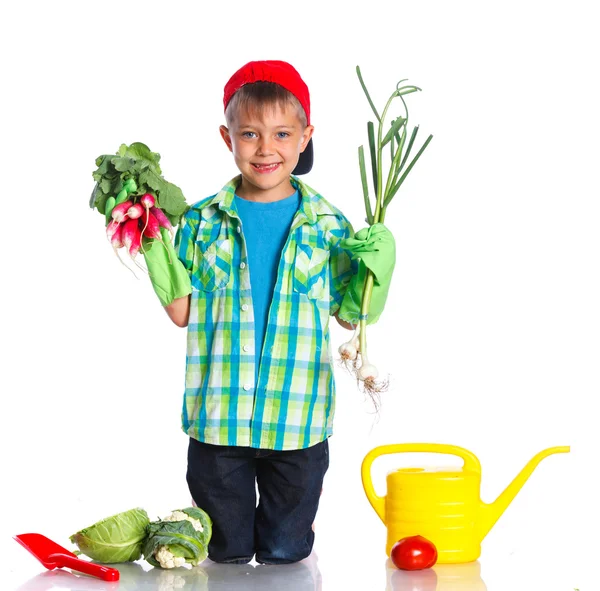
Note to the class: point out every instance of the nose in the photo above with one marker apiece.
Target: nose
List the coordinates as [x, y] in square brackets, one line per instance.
[265, 146]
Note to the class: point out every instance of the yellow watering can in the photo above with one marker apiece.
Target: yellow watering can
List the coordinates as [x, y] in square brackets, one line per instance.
[441, 504]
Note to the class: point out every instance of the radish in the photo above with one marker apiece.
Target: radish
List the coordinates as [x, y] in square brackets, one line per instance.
[147, 200]
[119, 212]
[111, 229]
[117, 237]
[114, 233]
[132, 239]
[117, 242]
[135, 211]
[163, 220]
[151, 229]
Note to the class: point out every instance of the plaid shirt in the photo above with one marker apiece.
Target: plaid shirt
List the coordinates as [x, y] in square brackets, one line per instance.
[292, 405]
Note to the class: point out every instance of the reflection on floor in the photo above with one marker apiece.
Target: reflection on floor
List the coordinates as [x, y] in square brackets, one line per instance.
[441, 577]
[209, 576]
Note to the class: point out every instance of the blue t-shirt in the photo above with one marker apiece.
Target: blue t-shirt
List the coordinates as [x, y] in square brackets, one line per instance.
[266, 227]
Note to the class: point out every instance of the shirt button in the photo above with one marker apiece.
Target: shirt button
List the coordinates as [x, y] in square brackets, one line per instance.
[238, 229]
[242, 265]
[247, 387]
[246, 347]
[245, 307]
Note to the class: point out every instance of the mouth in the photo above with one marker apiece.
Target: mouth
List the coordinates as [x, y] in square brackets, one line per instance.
[266, 168]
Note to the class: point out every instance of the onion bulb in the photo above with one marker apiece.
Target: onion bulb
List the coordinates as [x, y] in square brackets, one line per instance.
[367, 372]
[348, 351]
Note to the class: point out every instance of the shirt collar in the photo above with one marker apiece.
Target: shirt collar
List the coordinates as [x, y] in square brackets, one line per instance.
[312, 204]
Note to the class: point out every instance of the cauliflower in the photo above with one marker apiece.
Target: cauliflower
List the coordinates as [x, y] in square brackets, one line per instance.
[181, 516]
[166, 559]
[179, 538]
[164, 556]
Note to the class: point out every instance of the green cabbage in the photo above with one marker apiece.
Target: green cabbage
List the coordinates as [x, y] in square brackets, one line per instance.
[178, 538]
[115, 539]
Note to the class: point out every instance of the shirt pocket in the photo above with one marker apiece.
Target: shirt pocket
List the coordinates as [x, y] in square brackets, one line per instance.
[213, 264]
[311, 266]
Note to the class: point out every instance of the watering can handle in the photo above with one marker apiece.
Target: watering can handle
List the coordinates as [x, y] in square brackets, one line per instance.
[378, 503]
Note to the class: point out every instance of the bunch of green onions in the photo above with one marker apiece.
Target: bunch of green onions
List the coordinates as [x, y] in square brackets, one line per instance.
[355, 350]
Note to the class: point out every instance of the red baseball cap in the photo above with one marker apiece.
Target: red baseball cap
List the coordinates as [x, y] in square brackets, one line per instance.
[285, 75]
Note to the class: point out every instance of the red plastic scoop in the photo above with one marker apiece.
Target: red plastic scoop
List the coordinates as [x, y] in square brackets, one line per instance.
[51, 555]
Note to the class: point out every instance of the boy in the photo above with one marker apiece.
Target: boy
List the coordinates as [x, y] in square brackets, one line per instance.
[259, 268]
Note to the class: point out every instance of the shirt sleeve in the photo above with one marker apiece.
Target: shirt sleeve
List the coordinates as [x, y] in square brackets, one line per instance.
[185, 239]
[341, 266]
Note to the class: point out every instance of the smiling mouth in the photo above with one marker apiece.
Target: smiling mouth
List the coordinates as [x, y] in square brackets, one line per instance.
[265, 168]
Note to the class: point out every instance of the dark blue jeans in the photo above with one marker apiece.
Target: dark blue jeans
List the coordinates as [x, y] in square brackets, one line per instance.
[223, 481]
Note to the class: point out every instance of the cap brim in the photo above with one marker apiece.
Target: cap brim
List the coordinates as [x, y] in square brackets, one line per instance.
[305, 162]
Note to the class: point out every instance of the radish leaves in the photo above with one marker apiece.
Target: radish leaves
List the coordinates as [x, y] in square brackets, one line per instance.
[139, 163]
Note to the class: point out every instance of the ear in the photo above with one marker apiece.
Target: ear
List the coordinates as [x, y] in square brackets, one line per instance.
[306, 135]
[226, 137]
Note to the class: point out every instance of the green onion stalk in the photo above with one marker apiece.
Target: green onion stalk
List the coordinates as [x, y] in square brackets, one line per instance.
[397, 171]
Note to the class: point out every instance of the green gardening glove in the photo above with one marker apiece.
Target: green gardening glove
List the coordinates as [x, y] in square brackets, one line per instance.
[375, 250]
[169, 277]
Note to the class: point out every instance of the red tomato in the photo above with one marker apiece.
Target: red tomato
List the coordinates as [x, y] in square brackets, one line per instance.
[413, 553]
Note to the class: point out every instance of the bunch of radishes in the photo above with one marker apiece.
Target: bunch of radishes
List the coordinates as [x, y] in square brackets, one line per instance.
[135, 199]
[130, 221]
[133, 219]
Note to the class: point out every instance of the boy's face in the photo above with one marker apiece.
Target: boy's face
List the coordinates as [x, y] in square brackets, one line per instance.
[266, 147]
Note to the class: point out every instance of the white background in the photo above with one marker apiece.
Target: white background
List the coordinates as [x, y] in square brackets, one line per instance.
[490, 337]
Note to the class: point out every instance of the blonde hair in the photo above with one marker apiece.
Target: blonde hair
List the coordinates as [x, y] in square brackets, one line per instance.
[254, 98]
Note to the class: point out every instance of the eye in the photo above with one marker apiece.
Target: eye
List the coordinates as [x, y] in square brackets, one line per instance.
[248, 134]
[283, 135]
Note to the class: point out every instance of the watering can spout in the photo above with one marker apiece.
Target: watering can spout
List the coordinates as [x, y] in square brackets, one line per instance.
[491, 512]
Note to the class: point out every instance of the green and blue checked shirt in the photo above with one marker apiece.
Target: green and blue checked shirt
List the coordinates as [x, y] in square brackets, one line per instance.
[292, 405]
